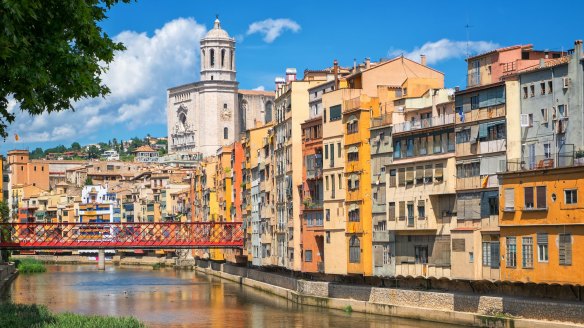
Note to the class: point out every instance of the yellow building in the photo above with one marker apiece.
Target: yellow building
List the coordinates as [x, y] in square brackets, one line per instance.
[541, 223]
[358, 233]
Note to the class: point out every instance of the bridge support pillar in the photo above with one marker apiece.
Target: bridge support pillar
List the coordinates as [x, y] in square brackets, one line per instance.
[101, 259]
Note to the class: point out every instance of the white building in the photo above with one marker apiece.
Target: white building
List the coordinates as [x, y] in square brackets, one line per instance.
[203, 116]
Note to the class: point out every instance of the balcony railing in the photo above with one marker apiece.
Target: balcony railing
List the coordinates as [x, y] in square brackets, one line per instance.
[481, 114]
[313, 204]
[384, 119]
[381, 236]
[548, 161]
[315, 173]
[351, 104]
[424, 123]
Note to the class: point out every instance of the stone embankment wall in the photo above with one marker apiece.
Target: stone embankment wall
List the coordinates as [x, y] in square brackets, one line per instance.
[7, 274]
[449, 307]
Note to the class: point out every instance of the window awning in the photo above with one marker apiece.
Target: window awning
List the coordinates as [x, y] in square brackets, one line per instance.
[353, 149]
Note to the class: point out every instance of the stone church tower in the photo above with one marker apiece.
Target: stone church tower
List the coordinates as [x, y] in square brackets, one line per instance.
[205, 115]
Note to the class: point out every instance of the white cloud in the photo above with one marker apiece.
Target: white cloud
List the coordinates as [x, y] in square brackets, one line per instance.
[260, 88]
[446, 49]
[273, 28]
[138, 78]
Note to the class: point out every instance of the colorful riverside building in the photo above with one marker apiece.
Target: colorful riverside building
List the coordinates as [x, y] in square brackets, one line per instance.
[487, 134]
[368, 86]
[541, 212]
[311, 190]
[420, 183]
[291, 107]
[223, 183]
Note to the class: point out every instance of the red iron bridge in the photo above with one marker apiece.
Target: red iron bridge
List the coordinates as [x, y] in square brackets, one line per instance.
[176, 235]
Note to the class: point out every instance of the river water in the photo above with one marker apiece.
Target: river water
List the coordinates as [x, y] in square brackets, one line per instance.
[169, 298]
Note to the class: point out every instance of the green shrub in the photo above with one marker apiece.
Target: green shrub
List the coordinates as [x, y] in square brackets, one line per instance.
[30, 266]
[348, 309]
[25, 315]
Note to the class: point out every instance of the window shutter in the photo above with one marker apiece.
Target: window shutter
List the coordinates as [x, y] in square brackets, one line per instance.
[392, 178]
[528, 197]
[391, 209]
[458, 245]
[410, 174]
[474, 133]
[510, 199]
[402, 210]
[428, 172]
[439, 171]
[378, 255]
[473, 208]
[542, 238]
[460, 208]
[541, 197]
[495, 255]
[401, 177]
[419, 172]
[565, 249]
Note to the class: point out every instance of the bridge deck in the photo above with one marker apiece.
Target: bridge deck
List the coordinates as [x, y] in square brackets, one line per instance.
[27, 236]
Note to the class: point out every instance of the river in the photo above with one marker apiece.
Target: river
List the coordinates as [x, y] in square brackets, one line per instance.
[169, 298]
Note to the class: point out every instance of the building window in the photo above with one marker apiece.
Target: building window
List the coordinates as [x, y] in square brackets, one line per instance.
[326, 151]
[338, 150]
[328, 237]
[326, 182]
[550, 87]
[222, 58]
[328, 214]
[410, 206]
[542, 88]
[308, 256]
[528, 196]
[494, 205]
[212, 57]
[392, 177]
[565, 248]
[474, 102]
[542, 247]
[335, 113]
[352, 127]
[532, 89]
[353, 156]
[354, 215]
[527, 252]
[470, 257]
[571, 196]
[421, 209]
[354, 250]
[226, 133]
[340, 181]
[421, 254]
[488, 255]
[511, 244]
[541, 197]
[525, 93]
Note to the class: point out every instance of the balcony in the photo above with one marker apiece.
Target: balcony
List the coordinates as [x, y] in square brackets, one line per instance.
[351, 104]
[315, 204]
[314, 173]
[549, 161]
[381, 236]
[481, 114]
[481, 147]
[381, 120]
[423, 123]
[378, 208]
[468, 183]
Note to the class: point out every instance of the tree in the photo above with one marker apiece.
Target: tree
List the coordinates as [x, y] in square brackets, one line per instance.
[52, 53]
[5, 233]
[75, 146]
[92, 152]
[37, 153]
[88, 181]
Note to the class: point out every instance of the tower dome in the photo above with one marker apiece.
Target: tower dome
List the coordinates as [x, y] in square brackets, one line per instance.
[217, 32]
[217, 55]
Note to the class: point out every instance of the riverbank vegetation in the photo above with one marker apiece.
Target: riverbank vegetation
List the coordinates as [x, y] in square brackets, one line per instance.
[30, 266]
[25, 315]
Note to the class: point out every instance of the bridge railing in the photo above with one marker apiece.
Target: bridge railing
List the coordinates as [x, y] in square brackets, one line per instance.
[120, 235]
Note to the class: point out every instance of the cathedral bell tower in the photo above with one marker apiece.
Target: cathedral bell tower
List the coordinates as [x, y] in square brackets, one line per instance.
[217, 55]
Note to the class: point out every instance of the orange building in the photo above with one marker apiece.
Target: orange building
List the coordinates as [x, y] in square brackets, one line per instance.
[311, 209]
[25, 172]
[541, 220]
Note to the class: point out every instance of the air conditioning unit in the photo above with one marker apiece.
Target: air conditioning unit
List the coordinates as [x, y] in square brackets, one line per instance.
[399, 109]
[566, 82]
[524, 120]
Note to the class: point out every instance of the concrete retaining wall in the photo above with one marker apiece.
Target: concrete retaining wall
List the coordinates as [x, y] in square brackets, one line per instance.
[446, 307]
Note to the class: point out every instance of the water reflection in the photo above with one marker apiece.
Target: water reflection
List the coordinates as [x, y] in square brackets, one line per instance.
[169, 298]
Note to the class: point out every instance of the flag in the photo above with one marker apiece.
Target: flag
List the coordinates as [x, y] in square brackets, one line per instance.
[485, 181]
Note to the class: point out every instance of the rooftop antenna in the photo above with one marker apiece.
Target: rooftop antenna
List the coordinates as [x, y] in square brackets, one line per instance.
[467, 27]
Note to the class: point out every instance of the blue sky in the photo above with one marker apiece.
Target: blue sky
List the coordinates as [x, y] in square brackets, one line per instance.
[162, 40]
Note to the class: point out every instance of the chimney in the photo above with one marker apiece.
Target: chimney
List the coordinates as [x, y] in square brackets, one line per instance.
[456, 88]
[578, 49]
[280, 81]
[423, 60]
[290, 75]
[336, 73]
[354, 64]
[541, 63]
[367, 62]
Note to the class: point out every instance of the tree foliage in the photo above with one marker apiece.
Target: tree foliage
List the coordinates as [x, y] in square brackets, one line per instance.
[52, 53]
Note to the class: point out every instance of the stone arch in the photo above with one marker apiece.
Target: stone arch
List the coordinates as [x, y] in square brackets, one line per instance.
[268, 108]
[222, 58]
